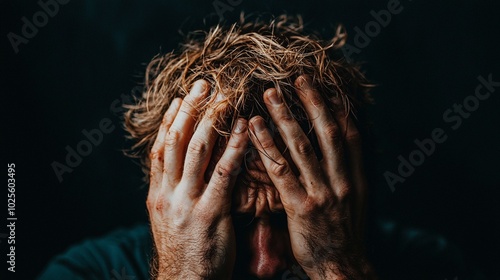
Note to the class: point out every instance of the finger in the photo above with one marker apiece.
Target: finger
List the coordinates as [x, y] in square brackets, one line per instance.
[278, 169]
[199, 153]
[156, 154]
[300, 147]
[181, 130]
[355, 159]
[220, 186]
[327, 131]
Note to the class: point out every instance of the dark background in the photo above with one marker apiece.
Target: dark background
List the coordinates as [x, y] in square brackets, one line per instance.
[92, 52]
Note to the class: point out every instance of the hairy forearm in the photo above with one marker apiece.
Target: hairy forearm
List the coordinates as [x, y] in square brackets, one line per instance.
[362, 270]
[168, 272]
[169, 276]
[166, 267]
[336, 275]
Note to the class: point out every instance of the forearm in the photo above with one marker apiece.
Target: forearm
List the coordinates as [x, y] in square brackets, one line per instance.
[169, 276]
[363, 270]
[171, 267]
[170, 272]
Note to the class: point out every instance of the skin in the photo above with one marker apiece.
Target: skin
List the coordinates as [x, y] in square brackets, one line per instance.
[193, 216]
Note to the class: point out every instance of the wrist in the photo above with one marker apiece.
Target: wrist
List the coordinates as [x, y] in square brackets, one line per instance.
[191, 272]
[181, 273]
[331, 273]
[335, 271]
[169, 276]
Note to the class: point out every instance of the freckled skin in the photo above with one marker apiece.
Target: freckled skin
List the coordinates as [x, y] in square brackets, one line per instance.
[288, 210]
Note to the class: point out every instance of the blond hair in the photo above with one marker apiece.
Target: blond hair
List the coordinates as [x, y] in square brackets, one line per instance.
[241, 61]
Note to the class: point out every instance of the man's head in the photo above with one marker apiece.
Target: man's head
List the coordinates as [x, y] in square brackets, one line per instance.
[239, 63]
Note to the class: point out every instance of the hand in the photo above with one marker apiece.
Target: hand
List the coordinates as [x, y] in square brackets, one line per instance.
[324, 201]
[190, 218]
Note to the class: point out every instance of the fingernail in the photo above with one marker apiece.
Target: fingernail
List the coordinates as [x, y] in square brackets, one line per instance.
[303, 82]
[300, 82]
[259, 125]
[219, 97]
[273, 97]
[199, 88]
[240, 126]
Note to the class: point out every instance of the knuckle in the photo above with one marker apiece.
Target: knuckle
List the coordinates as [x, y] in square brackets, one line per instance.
[236, 143]
[316, 99]
[318, 203]
[331, 130]
[160, 205]
[353, 136]
[280, 168]
[304, 147]
[344, 192]
[156, 154]
[310, 205]
[267, 143]
[172, 139]
[198, 147]
[324, 200]
[226, 168]
[157, 203]
[285, 115]
[150, 203]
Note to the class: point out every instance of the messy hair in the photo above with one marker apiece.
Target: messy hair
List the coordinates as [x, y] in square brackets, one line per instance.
[240, 62]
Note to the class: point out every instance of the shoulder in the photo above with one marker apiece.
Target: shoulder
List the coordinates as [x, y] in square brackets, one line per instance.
[400, 251]
[121, 254]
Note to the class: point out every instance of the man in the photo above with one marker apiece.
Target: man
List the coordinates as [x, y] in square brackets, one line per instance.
[250, 137]
[306, 208]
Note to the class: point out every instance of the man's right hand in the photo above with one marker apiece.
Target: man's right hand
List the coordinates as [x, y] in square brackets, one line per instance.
[190, 218]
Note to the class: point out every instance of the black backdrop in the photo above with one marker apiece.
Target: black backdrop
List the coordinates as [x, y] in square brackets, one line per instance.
[90, 54]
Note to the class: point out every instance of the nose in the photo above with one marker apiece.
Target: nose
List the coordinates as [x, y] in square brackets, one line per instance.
[268, 250]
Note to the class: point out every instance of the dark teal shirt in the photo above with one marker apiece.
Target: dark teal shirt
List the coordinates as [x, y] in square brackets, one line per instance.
[396, 252]
[121, 255]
